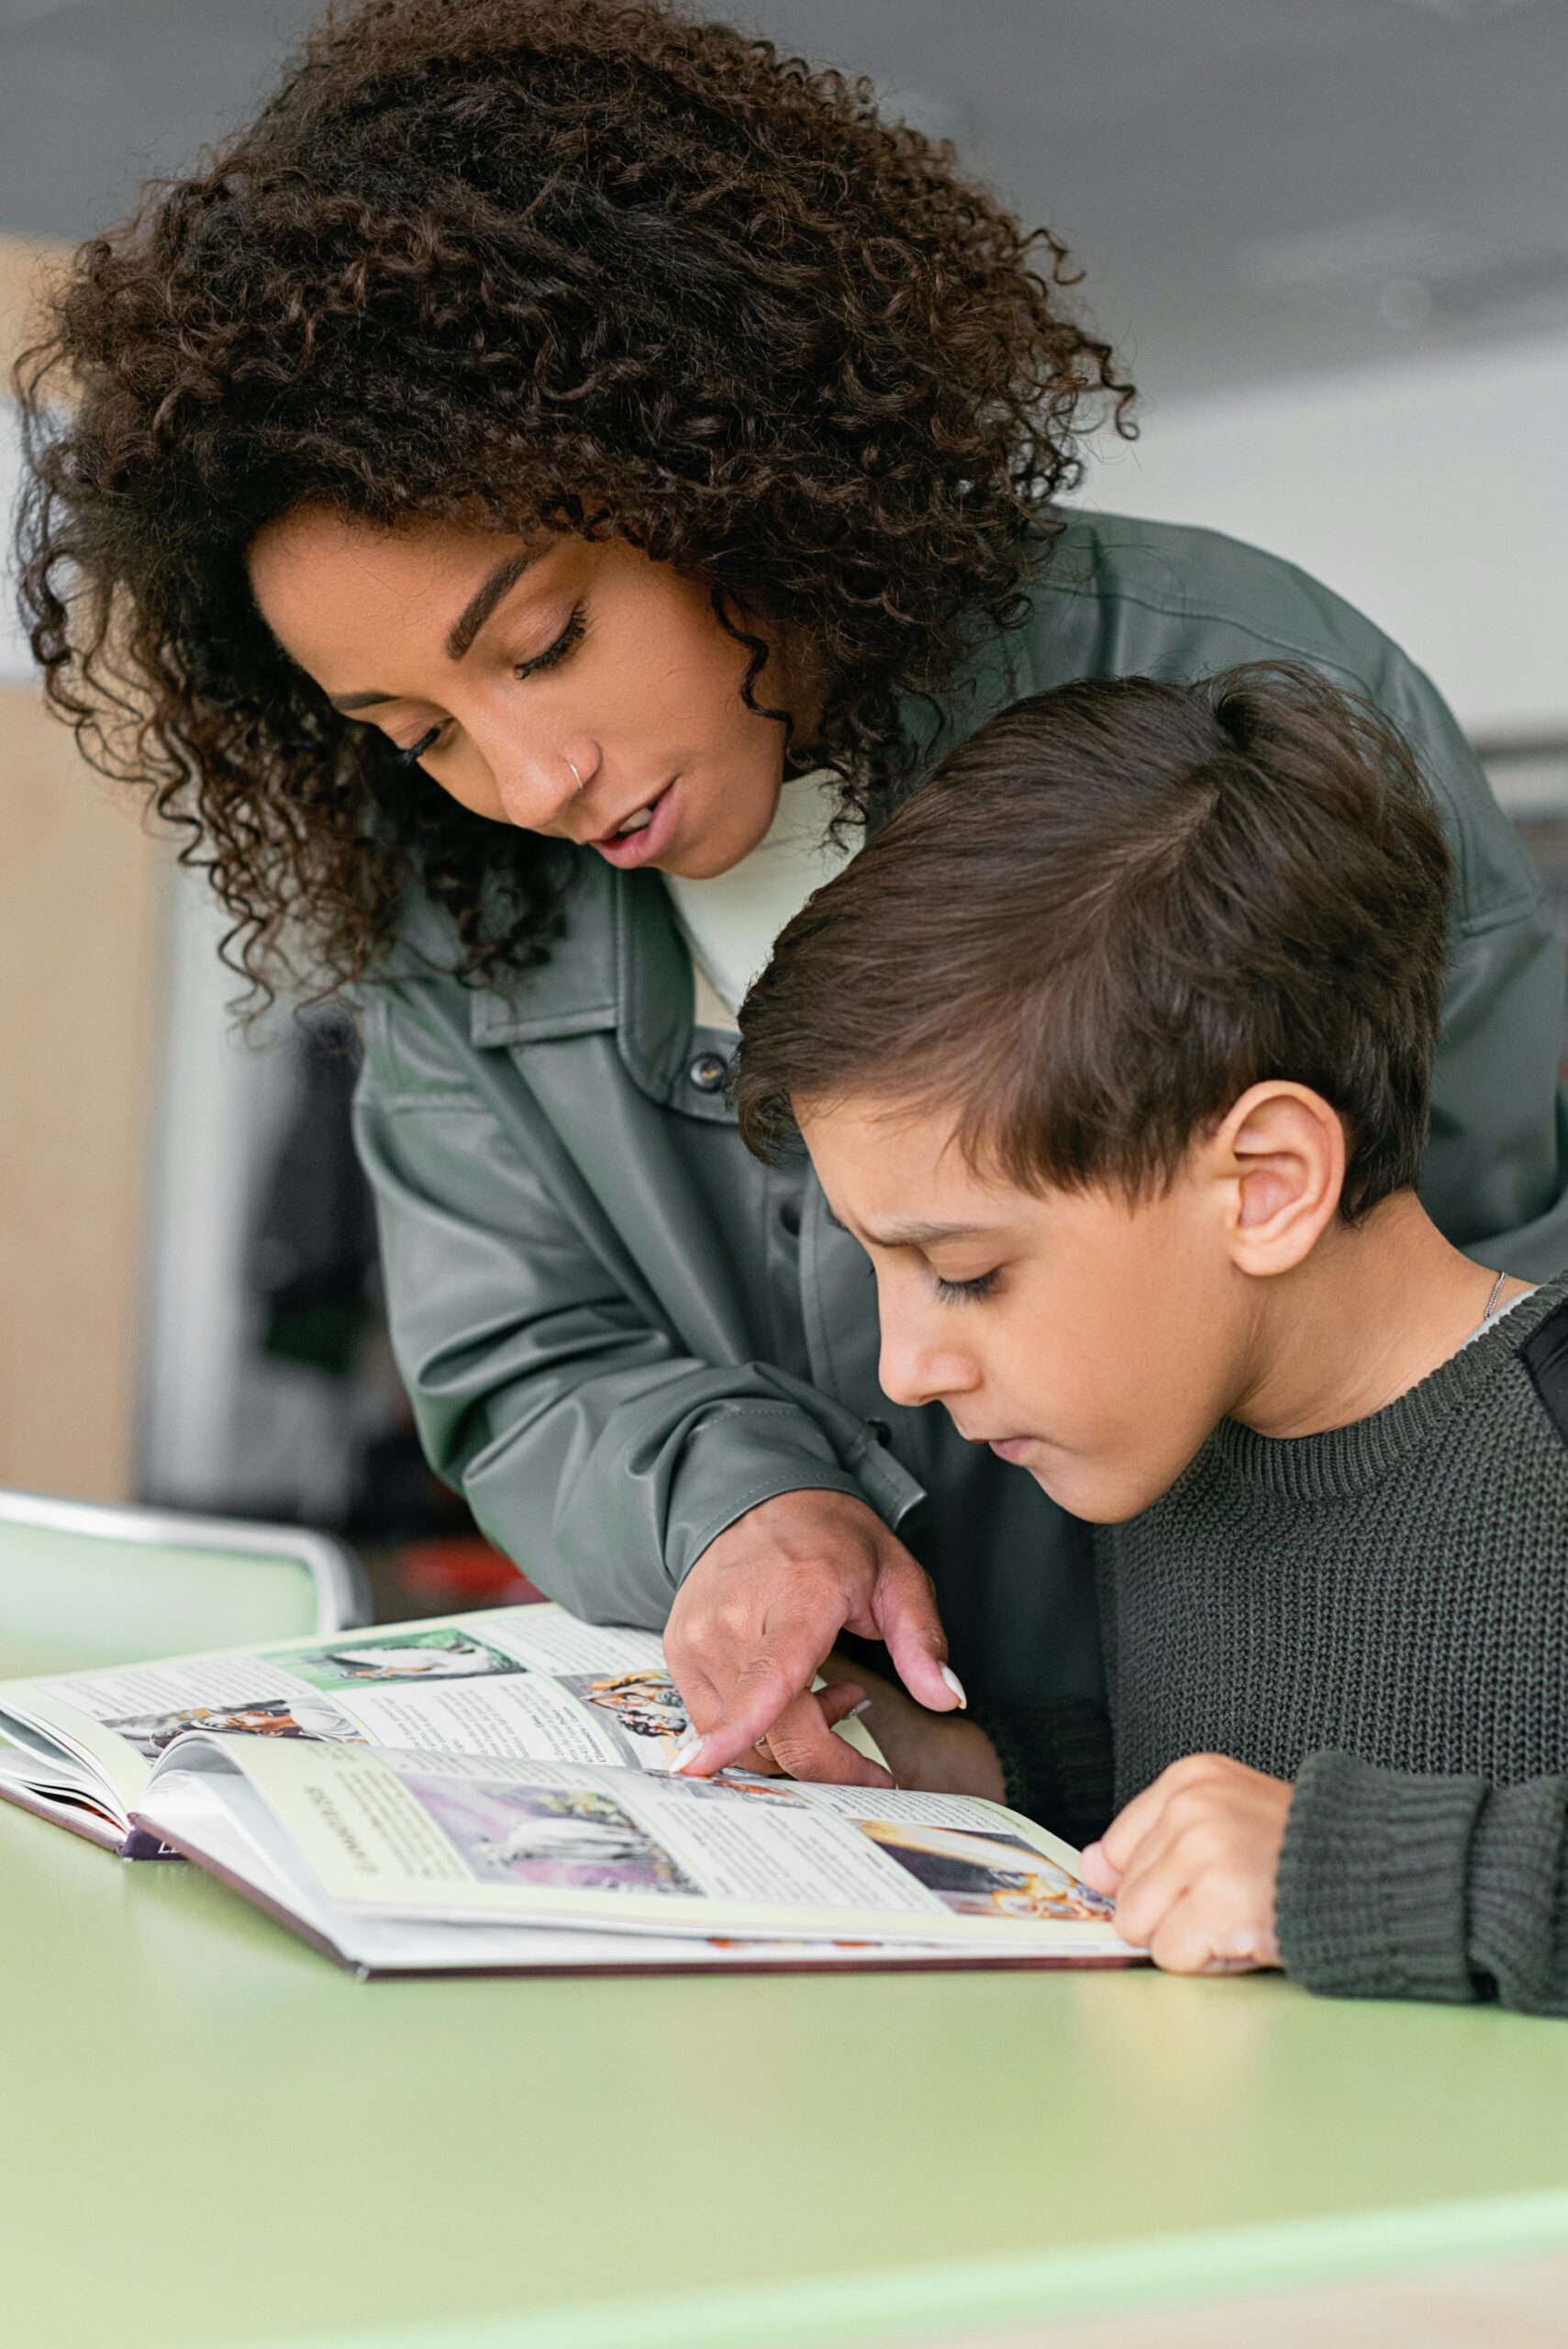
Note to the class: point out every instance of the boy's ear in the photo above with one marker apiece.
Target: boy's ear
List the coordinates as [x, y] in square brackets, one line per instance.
[1280, 1156]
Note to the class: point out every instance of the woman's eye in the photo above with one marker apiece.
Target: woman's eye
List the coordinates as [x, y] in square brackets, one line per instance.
[964, 1292]
[567, 642]
[416, 751]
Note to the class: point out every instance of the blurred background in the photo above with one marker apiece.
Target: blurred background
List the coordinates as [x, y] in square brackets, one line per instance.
[1330, 237]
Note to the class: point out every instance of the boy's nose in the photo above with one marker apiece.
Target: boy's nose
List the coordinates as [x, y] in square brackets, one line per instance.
[912, 1374]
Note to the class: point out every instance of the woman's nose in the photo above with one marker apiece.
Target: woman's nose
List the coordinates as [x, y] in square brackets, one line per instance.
[537, 786]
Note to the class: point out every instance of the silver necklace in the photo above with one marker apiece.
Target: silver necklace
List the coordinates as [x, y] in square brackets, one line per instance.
[1491, 1305]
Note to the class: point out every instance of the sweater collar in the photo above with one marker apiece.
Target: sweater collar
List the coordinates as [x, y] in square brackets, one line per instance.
[1342, 1460]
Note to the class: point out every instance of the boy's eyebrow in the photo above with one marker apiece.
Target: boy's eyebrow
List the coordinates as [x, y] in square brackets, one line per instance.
[920, 1235]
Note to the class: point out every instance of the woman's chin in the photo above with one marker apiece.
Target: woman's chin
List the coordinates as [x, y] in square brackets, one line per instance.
[698, 851]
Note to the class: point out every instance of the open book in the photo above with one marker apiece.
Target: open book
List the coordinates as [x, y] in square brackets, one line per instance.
[495, 1791]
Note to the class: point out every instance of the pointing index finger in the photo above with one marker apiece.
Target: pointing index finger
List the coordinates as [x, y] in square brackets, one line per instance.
[763, 1689]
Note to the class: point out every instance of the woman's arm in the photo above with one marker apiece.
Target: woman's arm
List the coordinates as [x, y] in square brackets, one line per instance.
[1494, 1176]
[624, 1472]
[546, 1384]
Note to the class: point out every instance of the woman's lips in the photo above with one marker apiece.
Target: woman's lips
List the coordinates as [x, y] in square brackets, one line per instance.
[624, 850]
[1009, 1447]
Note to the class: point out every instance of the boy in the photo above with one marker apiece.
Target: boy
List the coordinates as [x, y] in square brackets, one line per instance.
[1113, 1048]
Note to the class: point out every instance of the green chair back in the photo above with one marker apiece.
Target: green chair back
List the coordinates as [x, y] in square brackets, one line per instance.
[82, 1584]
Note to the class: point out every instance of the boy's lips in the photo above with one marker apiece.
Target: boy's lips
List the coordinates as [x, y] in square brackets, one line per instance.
[1009, 1447]
[625, 850]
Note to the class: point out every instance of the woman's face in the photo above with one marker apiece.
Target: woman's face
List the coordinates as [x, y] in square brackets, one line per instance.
[578, 690]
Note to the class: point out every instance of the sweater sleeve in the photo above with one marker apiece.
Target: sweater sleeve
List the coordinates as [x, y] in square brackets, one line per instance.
[1396, 1885]
[1056, 1763]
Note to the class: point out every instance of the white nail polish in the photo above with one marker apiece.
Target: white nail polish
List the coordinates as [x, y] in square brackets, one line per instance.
[687, 1747]
[856, 1711]
[956, 1685]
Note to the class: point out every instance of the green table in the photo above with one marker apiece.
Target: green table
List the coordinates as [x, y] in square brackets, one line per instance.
[212, 2137]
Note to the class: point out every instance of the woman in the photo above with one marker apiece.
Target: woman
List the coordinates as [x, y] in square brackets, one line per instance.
[524, 503]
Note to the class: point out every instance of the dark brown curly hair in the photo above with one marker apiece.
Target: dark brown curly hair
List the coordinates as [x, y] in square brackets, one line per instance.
[562, 264]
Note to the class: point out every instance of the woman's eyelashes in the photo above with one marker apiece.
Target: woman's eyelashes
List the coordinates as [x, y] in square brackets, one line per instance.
[968, 1292]
[567, 642]
[416, 751]
[571, 636]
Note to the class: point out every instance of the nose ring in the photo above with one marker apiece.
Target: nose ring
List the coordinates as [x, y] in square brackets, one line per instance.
[576, 776]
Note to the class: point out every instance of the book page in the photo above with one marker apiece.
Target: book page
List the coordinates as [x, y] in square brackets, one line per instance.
[518, 1682]
[521, 1682]
[120, 1721]
[221, 1820]
[411, 1835]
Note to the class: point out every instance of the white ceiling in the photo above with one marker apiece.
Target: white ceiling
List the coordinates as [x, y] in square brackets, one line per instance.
[1257, 187]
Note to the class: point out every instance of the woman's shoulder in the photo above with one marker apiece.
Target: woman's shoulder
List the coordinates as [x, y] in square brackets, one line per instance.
[1117, 596]
[1114, 595]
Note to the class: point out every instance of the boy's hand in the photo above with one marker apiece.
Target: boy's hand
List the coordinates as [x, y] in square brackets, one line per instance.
[759, 1611]
[944, 1753]
[1192, 1863]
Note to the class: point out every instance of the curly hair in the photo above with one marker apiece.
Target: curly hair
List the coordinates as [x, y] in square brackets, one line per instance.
[561, 265]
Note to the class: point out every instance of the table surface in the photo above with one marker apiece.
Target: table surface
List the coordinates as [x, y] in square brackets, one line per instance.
[214, 2139]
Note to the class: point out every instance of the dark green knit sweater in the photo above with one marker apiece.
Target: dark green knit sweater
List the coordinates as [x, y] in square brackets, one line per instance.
[1379, 1613]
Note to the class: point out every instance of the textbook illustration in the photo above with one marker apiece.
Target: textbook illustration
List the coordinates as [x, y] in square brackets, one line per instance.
[540, 1835]
[401, 1656]
[274, 1717]
[983, 1872]
[496, 1791]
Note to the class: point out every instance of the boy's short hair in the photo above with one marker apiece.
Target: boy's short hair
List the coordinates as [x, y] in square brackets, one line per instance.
[1110, 911]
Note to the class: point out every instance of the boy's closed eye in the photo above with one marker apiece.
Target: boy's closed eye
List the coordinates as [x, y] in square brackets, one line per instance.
[969, 1291]
[951, 1287]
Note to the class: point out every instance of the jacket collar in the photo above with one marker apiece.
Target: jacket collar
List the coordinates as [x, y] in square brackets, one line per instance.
[572, 993]
[618, 967]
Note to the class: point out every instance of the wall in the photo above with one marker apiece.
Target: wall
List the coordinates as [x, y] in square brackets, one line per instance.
[1433, 493]
[79, 915]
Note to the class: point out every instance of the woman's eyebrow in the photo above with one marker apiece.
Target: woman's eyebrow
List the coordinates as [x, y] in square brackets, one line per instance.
[482, 602]
[464, 629]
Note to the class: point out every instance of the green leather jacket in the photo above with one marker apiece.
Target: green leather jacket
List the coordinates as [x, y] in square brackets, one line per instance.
[620, 1331]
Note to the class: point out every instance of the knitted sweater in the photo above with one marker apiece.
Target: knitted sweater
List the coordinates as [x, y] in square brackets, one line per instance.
[1379, 1613]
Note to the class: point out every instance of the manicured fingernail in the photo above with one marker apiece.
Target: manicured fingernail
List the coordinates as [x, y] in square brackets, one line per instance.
[686, 1748]
[856, 1711]
[956, 1685]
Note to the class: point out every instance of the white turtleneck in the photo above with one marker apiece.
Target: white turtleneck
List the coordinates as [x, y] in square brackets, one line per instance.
[730, 922]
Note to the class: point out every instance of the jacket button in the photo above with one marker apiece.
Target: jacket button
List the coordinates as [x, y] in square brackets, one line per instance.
[707, 1071]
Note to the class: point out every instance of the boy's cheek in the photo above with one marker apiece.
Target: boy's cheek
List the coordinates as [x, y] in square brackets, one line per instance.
[1109, 1486]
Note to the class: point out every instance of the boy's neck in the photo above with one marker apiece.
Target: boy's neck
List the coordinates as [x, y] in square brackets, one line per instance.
[1376, 1308]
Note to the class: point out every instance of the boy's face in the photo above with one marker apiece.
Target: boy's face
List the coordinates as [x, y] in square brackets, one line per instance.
[1094, 1342]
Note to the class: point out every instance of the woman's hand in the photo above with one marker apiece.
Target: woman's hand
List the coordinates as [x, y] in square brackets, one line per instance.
[758, 1613]
[1192, 1863]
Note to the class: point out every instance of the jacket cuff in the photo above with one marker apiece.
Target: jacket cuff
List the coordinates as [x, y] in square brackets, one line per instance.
[745, 1453]
[1371, 1897]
